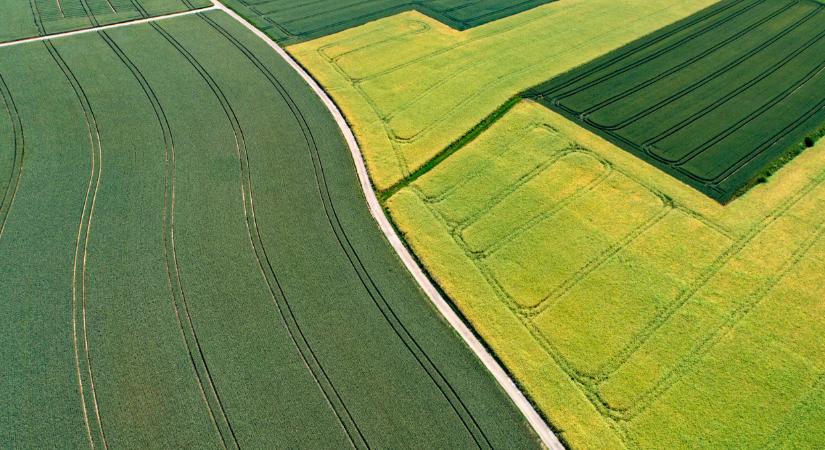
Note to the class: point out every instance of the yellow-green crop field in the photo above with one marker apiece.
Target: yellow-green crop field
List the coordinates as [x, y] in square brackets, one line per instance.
[410, 85]
[634, 311]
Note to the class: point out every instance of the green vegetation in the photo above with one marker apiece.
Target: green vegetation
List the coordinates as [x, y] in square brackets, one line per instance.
[452, 148]
[190, 262]
[21, 19]
[713, 99]
[635, 311]
[290, 22]
[410, 85]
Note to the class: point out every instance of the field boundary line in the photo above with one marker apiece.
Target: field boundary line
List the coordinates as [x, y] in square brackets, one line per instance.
[444, 17]
[106, 27]
[538, 424]
[568, 89]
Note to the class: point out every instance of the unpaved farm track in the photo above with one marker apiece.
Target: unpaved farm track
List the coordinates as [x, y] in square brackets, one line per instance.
[539, 425]
[224, 251]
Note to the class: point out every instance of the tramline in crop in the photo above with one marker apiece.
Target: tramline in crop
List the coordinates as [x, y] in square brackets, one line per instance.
[715, 99]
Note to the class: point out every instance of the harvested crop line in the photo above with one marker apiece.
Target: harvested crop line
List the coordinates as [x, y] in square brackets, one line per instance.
[94, 429]
[300, 341]
[18, 159]
[200, 367]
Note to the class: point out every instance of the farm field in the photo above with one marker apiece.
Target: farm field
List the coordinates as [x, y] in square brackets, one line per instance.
[22, 19]
[289, 22]
[189, 261]
[635, 311]
[713, 99]
[410, 85]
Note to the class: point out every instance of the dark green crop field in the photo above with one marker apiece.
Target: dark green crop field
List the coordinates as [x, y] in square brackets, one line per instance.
[715, 99]
[290, 22]
[187, 261]
[21, 19]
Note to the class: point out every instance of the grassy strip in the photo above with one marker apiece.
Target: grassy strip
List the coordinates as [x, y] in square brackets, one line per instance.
[465, 139]
[791, 153]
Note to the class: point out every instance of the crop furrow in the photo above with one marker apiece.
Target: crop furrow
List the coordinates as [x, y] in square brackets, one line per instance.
[477, 171]
[19, 156]
[709, 78]
[536, 220]
[537, 91]
[648, 144]
[506, 191]
[790, 90]
[690, 61]
[660, 52]
[389, 314]
[780, 437]
[187, 328]
[608, 253]
[694, 356]
[81, 259]
[767, 144]
[89, 13]
[139, 8]
[621, 358]
[280, 299]
[38, 19]
[60, 8]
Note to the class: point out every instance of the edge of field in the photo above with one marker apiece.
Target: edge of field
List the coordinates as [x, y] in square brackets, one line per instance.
[459, 323]
[421, 272]
[124, 23]
[115, 24]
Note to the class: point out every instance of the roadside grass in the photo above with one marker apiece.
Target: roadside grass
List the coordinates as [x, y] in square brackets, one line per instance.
[635, 311]
[411, 85]
[193, 263]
